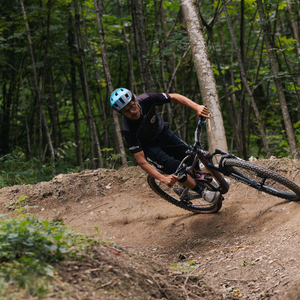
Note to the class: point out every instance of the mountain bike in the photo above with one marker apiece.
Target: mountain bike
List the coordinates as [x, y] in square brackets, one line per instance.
[211, 176]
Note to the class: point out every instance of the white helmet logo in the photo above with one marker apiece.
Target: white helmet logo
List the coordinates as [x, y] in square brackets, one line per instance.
[153, 119]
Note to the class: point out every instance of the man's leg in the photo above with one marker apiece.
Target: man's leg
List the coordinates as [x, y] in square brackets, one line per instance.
[169, 150]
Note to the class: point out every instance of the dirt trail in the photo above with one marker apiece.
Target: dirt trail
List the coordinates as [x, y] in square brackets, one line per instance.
[248, 250]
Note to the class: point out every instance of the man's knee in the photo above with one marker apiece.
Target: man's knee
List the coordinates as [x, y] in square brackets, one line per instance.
[171, 165]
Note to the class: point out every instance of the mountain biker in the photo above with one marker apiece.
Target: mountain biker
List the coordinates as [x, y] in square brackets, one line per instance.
[151, 140]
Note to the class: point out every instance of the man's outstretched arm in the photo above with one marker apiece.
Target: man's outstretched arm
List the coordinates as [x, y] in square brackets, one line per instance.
[149, 169]
[201, 110]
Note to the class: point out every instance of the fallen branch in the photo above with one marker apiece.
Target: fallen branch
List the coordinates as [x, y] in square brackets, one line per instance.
[106, 284]
[190, 275]
[233, 279]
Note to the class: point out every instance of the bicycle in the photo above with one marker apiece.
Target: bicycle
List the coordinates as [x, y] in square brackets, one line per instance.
[208, 175]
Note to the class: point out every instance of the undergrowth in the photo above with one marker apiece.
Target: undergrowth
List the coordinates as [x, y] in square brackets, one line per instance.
[16, 169]
[28, 247]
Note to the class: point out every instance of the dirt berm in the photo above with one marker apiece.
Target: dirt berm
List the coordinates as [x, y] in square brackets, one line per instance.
[248, 250]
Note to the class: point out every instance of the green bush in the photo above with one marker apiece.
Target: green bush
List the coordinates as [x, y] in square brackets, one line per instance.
[27, 246]
[33, 238]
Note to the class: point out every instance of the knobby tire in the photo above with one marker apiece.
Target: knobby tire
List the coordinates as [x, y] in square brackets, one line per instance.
[275, 184]
[167, 193]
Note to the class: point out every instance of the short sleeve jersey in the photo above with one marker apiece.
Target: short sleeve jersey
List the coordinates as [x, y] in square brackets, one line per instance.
[138, 133]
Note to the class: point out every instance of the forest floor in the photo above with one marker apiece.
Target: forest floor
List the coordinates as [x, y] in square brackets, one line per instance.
[248, 250]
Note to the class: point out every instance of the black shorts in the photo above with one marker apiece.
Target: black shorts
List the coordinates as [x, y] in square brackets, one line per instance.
[166, 152]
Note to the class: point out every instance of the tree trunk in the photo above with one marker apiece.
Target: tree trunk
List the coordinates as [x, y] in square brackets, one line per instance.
[38, 94]
[141, 45]
[25, 115]
[128, 53]
[246, 85]
[96, 136]
[207, 83]
[71, 41]
[51, 108]
[85, 87]
[98, 9]
[295, 30]
[278, 84]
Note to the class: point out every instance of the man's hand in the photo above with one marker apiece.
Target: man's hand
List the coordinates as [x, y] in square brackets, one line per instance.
[202, 111]
[170, 180]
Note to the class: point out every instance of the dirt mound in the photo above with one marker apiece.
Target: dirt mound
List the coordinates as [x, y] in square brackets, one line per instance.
[248, 250]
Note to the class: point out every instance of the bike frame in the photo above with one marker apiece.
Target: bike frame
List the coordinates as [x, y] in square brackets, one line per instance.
[216, 170]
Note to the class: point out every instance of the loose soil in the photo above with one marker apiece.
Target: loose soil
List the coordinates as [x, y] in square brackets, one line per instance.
[248, 250]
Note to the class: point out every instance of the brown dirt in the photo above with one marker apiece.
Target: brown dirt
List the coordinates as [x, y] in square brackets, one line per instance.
[248, 250]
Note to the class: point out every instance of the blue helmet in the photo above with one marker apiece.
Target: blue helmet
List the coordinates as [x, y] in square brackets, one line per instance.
[120, 98]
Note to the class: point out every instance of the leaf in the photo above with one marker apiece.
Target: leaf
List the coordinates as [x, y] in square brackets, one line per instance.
[58, 237]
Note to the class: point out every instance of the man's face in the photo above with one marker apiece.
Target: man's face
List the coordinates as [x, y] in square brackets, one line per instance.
[131, 110]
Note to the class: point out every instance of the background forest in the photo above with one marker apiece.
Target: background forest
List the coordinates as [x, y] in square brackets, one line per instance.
[60, 60]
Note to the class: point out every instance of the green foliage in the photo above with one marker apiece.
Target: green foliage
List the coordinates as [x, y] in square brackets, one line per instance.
[16, 169]
[25, 277]
[27, 246]
[17, 204]
[30, 237]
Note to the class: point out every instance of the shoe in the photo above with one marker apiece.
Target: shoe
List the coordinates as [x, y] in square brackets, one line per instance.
[210, 196]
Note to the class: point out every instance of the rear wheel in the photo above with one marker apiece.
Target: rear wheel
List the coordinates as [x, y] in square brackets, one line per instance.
[263, 179]
[191, 202]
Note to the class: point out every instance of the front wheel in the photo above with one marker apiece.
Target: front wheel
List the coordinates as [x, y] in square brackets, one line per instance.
[193, 203]
[262, 179]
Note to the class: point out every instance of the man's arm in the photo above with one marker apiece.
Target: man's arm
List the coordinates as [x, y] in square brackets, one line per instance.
[201, 110]
[149, 169]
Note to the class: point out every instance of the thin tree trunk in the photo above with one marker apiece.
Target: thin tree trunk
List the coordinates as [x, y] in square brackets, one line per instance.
[278, 84]
[96, 136]
[85, 87]
[38, 94]
[51, 108]
[295, 30]
[128, 53]
[167, 58]
[141, 45]
[98, 9]
[73, 86]
[242, 29]
[25, 116]
[244, 79]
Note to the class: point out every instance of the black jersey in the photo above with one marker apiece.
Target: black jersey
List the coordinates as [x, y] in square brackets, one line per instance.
[146, 129]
